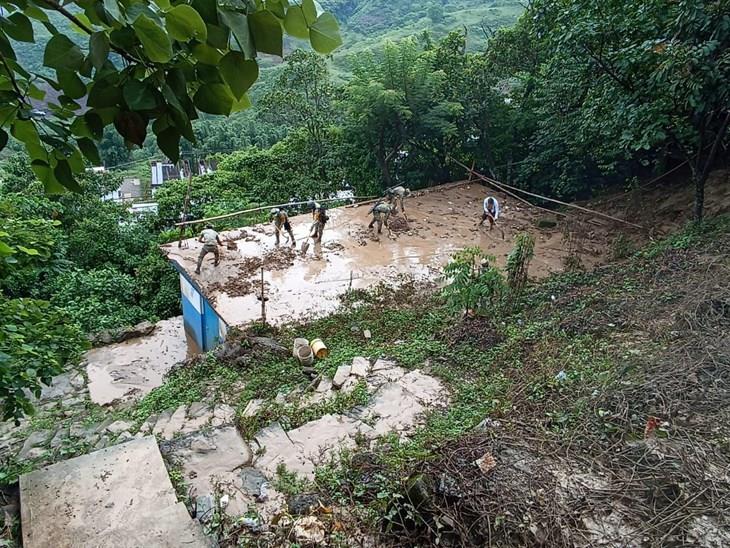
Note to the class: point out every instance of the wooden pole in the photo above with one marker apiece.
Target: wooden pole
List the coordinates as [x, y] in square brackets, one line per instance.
[262, 296]
[185, 205]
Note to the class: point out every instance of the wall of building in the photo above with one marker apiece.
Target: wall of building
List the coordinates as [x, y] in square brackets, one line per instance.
[202, 322]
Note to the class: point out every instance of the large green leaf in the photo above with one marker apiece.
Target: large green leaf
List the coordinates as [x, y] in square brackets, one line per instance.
[64, 175]
[155, 41]
[184, 23]
[112, 8]
[132, 126]
[238, 72]
[310, 11]
[45, 175]
[295, 23]
[138, 95]
[206, 54]
[324, 34]
[104, 94]
[267, 33]
[89, 150]
[18, 27]
[98, 49]
[214, 99]
[242, 104]
[62, 53]
[71, 84]
[169, 142]
[238, 23]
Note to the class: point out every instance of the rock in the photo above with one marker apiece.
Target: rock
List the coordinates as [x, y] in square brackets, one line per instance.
[101, 427]
[252, 479]
[381, 365]
[124, 436]
[269, 344]
[546, 223]
[197, 409]
[78, 381]
[325, 385]
[303, 504]
[309, 530]
[58, 438]
[418, 491]
[35, 452]
[360, 367]
[223, 414]
[167, 429]
[350, 384]
[142, 329]
[488, 424]
[204, 508]
[33, 441]
[427, 389]
[102, 443]
[448, 486]
[118, 427]
[341, 375]
[253, 407]
[486, 463]
[280, 398]
[319, 440]
[367, 334]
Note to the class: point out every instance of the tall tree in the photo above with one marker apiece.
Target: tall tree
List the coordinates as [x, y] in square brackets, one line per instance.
[148, 61]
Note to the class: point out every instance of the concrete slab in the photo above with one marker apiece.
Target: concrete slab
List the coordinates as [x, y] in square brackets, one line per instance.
[117, 497]
[278, 449]
[322, 438]
[127, 371]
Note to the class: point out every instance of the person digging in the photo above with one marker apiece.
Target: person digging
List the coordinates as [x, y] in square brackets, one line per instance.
[491, 213]
[319, 218]
[281, 219]
[211, 241]
[381, 213]
[397, 196]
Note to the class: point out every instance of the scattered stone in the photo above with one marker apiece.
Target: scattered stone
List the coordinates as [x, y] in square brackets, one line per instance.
[34, 453]
[325, 385]
[78, 381]
[197, 409]
[58, 438]
[167, 429]
[269, 344]
[253, 407]
[102, 443]
[360, 367]
[302, 504]
[204, 508]
[124, 436]
[350, 384]
[142, 329]
[102, 426]
[488, 424]
[341, 375]
[448, 486]
[223, 414]
[367, 334]
[280, 398]
[486, 463]
[381, 365]
[309, 530]
[118, 426]
[34, 441]
[252, 480]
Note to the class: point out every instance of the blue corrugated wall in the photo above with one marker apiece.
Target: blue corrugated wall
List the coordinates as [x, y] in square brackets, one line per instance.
[201, 321]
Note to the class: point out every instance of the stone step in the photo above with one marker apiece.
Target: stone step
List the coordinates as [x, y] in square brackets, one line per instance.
[119, 496]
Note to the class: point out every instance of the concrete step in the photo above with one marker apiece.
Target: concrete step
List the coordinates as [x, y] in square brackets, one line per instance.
[117, 497]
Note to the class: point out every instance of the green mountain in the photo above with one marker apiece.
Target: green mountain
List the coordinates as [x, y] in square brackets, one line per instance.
[366, 23]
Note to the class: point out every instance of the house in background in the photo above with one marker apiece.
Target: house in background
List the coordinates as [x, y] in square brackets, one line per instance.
[129, 191]
[163, 170]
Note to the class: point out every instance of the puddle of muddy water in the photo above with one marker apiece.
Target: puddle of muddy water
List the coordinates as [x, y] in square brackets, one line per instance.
[127, 371]
[440, 222]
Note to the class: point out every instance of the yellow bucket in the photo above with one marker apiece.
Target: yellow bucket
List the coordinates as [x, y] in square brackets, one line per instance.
[319, 349]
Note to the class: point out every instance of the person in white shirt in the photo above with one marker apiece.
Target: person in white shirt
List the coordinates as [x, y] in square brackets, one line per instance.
[491, 211]
[211, 241]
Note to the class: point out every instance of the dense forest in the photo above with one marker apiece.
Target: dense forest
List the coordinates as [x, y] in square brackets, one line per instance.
[570, 99]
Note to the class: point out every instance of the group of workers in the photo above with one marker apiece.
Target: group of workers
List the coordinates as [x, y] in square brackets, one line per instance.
[389, 204]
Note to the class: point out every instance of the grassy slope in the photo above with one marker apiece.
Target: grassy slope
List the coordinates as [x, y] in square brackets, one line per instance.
[573, 376]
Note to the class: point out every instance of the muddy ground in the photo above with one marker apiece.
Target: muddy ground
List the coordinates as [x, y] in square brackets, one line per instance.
[437, 223]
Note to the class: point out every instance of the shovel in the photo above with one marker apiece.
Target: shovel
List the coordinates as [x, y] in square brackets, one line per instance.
[305, 246]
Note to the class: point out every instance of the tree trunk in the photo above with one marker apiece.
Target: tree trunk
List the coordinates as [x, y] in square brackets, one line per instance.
[699, 196]
[700, 177]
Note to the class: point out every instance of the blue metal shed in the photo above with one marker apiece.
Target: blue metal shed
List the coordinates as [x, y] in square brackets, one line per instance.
[202, 322]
